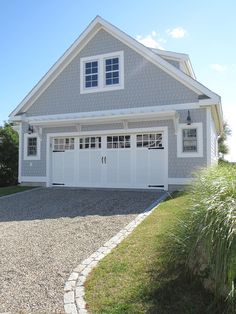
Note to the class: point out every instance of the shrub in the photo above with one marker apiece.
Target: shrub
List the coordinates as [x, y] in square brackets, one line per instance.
[8, 155]
[206, 239]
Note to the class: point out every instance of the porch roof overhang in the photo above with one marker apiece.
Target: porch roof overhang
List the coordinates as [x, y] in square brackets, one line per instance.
[97, 117]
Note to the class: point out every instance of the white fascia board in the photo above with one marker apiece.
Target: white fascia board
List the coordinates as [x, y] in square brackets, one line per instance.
[170, 54]
[93, 27]
[217, 112]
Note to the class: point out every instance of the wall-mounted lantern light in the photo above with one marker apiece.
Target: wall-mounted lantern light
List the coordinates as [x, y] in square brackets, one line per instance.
[30, 129]
[189, 120]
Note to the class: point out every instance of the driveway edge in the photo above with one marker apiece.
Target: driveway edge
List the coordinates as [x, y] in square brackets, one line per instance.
[74, 289]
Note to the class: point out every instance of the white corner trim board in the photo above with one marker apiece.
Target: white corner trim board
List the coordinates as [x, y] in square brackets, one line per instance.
[74, 289]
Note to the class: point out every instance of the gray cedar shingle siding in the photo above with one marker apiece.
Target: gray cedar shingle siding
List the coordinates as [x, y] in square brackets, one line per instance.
[145, 84]
[178, 167]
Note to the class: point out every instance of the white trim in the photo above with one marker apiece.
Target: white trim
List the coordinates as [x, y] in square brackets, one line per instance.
[36, 157]
[180, 181]
[199, 153]
[163, 129]
[110, 113]
[208, 135]
[101, 72]
[20, 153]
[94, 26]
[33, 179]
[109, 132]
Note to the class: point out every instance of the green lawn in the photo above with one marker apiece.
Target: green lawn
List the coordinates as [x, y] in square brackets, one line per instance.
[135, 277]
[13, 189]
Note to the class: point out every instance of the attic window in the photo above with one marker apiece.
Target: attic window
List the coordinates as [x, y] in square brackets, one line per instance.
[112, 71]
[102, 72]
[91, 74]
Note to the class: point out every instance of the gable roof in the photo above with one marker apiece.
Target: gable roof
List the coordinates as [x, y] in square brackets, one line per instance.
[97, 24]
[182, 58]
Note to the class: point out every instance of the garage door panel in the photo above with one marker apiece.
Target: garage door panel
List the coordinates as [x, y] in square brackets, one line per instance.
[69, 168]
[111, 168]
[141, 167]
[156, 167]
[125, 166]
[58, 168]
[83, 167]
[95, 168]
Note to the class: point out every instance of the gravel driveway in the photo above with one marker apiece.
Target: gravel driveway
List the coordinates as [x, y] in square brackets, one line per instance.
[45, 233]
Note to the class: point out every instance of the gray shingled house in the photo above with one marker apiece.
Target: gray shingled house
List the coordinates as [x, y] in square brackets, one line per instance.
[113, 113]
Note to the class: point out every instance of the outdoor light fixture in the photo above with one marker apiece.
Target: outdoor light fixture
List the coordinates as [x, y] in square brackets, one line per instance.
[30, 129]
[189, 120]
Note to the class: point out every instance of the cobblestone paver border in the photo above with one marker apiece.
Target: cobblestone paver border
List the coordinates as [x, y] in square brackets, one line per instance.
[74, 292]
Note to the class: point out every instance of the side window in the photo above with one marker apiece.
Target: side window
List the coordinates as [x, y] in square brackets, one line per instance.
[189, 138]
[32, 145]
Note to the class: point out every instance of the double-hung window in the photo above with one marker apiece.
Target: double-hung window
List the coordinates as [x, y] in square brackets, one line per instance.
[112, 71]
[91, 74]
[102, 72]
[190, 140]
[31, 147]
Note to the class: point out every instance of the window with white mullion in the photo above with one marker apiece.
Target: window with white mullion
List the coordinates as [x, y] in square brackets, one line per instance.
[149, 140]
[112, 71]
[190, 140]
[93, 142]
[32, 146]
[91, 74]
[118, 141]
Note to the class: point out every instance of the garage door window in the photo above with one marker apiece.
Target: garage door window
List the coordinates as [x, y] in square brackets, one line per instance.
[149, 140]
[62, 144]
[121, 141]
[91, 142]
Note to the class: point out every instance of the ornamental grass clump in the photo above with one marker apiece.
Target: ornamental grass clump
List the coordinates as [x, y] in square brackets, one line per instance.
[206, 238]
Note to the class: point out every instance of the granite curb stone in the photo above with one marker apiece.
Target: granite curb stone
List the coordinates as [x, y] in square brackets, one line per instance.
[74, 290]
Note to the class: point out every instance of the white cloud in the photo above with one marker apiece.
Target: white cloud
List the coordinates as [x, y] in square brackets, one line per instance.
[150, 40]
[218, 67]
[177, 32]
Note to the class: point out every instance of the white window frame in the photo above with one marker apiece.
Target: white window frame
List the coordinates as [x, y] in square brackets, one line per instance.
[101, 59]
[26, 156]
[199, 152]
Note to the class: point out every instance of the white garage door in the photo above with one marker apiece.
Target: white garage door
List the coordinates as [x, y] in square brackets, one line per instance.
[122, 161]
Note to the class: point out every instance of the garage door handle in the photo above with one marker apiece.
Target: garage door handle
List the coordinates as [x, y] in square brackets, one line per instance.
[155, 147]
[102, 160]
[105, 159]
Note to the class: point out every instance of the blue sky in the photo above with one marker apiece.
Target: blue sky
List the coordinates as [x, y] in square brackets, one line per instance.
[34, 34]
